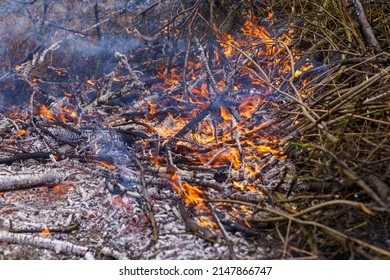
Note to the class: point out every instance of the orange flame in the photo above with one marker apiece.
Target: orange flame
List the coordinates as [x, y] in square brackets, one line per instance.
[225, 114]
[190, 194]
[21, 132]
[249, 106]
[44, 112]
[205, 221]
[108, 165]
[45, 232]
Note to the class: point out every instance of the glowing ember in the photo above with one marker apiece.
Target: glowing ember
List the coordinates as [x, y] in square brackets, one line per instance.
[190, 194]
[225, 114]
[249, 106]
[108, 165]
[206, 222]
[20, 132]
[44, 112]
[45, 232]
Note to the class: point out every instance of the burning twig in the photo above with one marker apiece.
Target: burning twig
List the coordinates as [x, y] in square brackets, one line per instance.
[191, 226]
[224, 233]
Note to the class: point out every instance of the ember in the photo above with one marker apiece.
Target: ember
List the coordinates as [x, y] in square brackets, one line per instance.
[158, 132]
[217, 122]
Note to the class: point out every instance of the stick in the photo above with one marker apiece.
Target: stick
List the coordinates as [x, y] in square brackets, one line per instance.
[366, 27]
[147, 198]
[30, 180]
[224, 233]
[46, 243]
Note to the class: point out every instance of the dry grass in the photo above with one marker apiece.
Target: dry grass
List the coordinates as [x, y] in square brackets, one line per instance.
[341, 139]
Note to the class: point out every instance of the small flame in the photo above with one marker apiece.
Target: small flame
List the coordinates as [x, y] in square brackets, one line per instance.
[238, 185]
[45, 233]
[249, 106]
[247, 223]
[71, 113]
[90, 82]
[225, 41]
[152, 107]
[44, 112]
[108, 165]
[204, 221]
[20, 132]
[190, 194]
[225, 114]
[245, 209]
[19, 67]
[270, 16]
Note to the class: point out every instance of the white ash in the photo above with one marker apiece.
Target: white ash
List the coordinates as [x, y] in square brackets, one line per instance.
[116, 223]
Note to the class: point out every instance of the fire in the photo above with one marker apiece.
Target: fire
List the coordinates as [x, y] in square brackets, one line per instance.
[270, 16]
[247, 223]
[206, 222]
[245, 209]
[90, 82]
[20, 132]
[225, 114]
[230, 157]
[71, 113]
[19, 67]
[251, 29]
[44, 112]
[45, 232]
[152, 108]
[63, 114]
[190, 194]
[238, 185]
[225, 40]
[249, 106]
[108, 165]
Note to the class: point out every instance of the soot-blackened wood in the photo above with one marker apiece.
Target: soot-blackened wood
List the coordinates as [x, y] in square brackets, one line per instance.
[57, 156]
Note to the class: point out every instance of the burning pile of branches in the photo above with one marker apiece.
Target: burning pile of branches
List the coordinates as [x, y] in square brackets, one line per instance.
[204, 127]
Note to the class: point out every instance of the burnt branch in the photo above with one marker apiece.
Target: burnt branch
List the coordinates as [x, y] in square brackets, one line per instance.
[30, 180]
[46, 243]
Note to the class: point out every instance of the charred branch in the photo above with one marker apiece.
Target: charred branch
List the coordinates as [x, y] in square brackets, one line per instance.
[46, 243]
[30, 180]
